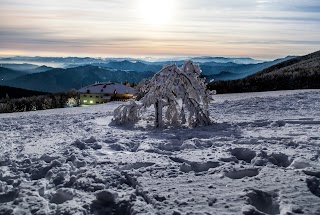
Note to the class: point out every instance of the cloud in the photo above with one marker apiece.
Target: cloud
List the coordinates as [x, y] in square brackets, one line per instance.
[228, 27]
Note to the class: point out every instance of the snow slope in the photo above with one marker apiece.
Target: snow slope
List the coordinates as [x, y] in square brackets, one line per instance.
[262, 156]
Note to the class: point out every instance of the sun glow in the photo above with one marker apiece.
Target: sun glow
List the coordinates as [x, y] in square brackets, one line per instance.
[156, 12]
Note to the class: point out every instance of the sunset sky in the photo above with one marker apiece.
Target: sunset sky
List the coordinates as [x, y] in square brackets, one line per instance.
[262, 29]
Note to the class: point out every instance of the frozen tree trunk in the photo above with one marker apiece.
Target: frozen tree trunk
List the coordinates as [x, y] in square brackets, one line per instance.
[183, 116]
[158, 109]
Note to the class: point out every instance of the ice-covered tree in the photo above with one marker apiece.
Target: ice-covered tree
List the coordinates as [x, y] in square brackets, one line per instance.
[173, 84]
[177, 91]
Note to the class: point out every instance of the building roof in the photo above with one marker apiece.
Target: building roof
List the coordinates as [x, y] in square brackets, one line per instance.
[107, 88]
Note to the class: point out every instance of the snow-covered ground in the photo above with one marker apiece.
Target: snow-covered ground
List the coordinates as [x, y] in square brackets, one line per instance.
[262, 156]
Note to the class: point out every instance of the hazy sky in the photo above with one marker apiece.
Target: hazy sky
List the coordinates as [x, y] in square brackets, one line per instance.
[257, 28]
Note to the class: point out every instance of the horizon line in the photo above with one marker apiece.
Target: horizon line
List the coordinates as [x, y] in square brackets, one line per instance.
[160, 57]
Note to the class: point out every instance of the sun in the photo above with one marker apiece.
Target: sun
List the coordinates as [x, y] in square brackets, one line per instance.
[156, 12]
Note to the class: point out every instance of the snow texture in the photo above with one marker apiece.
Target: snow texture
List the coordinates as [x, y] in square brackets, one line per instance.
[261, 156]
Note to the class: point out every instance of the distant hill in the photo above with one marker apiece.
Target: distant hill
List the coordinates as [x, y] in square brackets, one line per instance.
[240, 70]
[59, 80]
[132, 66]
[13, 92]
[8, 74]
[39, 69]
[19, 66]
[297, 73]
[223, 76]
[25, 67]
[225, 60]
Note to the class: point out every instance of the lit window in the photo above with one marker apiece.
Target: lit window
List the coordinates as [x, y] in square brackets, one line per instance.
[85, 101]
[91, 102]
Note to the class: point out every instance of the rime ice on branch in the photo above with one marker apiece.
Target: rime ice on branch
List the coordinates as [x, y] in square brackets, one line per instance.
[181, 93]
[126, 113]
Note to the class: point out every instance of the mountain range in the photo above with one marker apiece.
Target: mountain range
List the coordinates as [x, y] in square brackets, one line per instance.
[297, 73]
[72, 76]
[88, 60]
[59, 80]
[232, 71]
